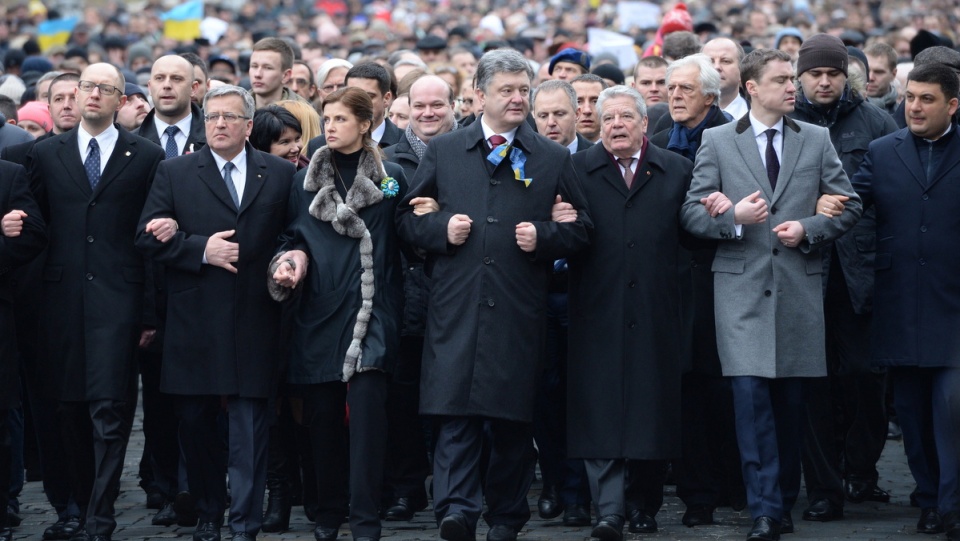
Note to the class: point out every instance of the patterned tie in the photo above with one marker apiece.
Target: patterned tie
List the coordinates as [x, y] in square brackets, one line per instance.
[496, 140]
[627, 173]
[171, 148]
[228, 180]
[773, 163]
[92, 163]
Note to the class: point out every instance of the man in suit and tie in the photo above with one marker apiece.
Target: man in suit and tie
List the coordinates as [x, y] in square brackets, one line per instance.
[768, 292]
[91, 183]
[175, 123]
[223, 330]
[912, 178]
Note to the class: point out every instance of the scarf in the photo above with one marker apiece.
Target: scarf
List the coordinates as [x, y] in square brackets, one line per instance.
[418, 146]
[685, 141]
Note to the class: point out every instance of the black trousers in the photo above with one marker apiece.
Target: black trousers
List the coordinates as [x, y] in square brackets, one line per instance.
[161, 446]
[407, 465]
[95, 435]
[349, 471]
[4, 465]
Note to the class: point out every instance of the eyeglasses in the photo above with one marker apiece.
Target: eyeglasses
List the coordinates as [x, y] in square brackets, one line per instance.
[332, 88]
[105, 89]
[229, 118]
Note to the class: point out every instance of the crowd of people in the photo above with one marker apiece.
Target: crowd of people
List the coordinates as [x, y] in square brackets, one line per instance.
[373, 258]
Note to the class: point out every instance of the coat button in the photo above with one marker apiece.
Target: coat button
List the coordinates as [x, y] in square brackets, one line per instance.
[773, 210]
[632, 284]
[629, 205]
[925, 197]
[633, 325]
[490, 302]
[491, 219]
[89, 276]
[923, 261]
[494, 182]
[632, 245]
[767, 293]
[923, 229]
[89, 238]
[487, 261]
[93, 203]
[776, 251]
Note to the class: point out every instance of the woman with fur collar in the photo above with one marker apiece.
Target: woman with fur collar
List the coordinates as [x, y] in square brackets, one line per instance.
[339, 263]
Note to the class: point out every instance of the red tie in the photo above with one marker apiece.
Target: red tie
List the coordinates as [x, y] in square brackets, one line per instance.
[627, 173]
[496, 140]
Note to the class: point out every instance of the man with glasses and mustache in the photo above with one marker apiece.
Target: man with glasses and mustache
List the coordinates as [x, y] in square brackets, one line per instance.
[91, 183]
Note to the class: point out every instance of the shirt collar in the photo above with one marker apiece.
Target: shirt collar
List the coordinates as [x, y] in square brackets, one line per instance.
[760, 127]
[488, 132]
[377, 133]
[106, 139]
[239, 161]
[184, 124]
[574, 146]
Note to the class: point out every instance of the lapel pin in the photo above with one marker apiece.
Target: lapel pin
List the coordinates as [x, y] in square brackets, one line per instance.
[127, 154]
[259, 176]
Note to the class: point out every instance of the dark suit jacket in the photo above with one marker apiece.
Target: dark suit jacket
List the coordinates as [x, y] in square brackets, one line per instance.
[15, 252]
[93, 279]
[223, 329]
[391, 136]
[583, 143]
[197, 136]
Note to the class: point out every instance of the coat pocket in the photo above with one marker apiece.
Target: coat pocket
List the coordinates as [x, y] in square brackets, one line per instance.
[732, 265]
[815, 263]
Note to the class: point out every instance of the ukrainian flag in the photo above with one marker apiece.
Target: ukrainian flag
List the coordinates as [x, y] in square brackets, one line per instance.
[182, 23]
[55, 32]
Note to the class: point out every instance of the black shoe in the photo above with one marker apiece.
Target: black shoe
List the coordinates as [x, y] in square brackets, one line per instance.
[6, 534]
[207, 531]
[454, 527]
[501, 532]
[609, 528]
[576, 516]
[930, 522]
[860, 491]
[80, 535]
[186, 510]
[951, 525]
[641, 522]
[823, 510]
[548, 505]
[786, 524]
[893, 431]
[277, 516]
[404, 508]
[764, 529]
[155, 500]
[242, 536]
[13, 518]
[55, 530]
[697, 516]
[323, 533]
[165, 516]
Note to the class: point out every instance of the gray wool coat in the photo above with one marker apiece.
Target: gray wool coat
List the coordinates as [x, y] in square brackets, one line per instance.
[768, 298]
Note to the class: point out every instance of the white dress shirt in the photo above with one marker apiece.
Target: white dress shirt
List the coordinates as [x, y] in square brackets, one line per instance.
[181, 138]
[107, 141]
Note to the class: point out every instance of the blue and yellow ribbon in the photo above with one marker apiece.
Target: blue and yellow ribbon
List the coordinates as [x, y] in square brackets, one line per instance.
[517, 161]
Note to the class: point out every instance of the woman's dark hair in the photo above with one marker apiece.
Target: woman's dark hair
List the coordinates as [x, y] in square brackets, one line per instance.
[268, 125]
[360, 104]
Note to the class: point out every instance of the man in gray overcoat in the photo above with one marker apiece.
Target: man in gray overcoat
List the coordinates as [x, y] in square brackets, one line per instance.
[490, 250]
[768, 299]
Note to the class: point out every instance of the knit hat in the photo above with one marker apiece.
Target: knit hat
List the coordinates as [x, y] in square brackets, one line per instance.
[609, 71]
[822, 51]
[38, 112]
[676, 20]
[573, 56]
[787, 31]
[36, 63]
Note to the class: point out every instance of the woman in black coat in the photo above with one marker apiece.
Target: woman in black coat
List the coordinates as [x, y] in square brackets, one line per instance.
[341, 254]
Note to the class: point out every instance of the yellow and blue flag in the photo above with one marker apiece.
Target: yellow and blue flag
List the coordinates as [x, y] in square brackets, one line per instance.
[55, 32]
[182, 23]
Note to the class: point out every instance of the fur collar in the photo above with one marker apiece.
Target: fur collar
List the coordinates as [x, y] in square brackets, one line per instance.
[328, 206]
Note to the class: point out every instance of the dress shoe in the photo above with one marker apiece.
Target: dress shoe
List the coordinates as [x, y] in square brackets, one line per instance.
[186, 510]
[155, 500]
[764, 529]
[80, 535]
[697, 516]
[454, 527]
[786, 524]
[641, 522]
[865, 491]
[6, 534]
[207, 531]
[501, 532]
[951, 525]
[13, 517]
[930, 522]
[548, 505]
[165, 516]
[323, 533]
[242, 536]
[893, 431]
[277, 516]
[404, 508]
[823, 510]
[62, 529]
[609, 528]
[576, 516]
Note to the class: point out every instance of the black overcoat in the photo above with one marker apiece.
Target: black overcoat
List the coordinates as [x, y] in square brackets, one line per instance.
[223, 329]
[486, 319]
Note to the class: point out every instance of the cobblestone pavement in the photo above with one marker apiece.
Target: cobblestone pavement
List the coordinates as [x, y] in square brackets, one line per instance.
[868, 521]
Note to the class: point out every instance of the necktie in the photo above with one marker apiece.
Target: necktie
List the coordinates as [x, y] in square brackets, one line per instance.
[171, 147]
[627, 173]
[92, 163]
[228, 180]
[496, 140]
[773, 163]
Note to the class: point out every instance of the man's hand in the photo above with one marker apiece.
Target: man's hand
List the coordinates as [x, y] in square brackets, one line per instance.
[12, 223]
[831, 205]
[562, 212]
[221, 253]
[146, 337]
[526, 236]
[163, 229]
[424, 205]
[292, 268]
[716, 204]
[790, 233]
[458, 229]
[752, 209]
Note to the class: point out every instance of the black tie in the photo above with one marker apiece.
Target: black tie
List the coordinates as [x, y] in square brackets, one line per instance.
[171, 147]
[773, 164]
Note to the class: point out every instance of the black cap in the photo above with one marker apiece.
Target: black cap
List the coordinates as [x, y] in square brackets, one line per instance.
[431, 42]
[222, 58]
[131, 89]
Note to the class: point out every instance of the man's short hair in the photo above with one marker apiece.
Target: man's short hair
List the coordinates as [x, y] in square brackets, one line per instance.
[884, 51]
[277, 45]
[709, 77]
[555, 85]
[622, 91]
[196, 61]
[8, 108]
[680, 44]
[651, 62]
[372, 70]
[753, 64]
[590, 78]
[230, 90]
[500, 61]
[939, 74]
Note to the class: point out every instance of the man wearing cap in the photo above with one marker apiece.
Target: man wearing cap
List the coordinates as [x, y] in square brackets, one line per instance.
[569, 63]
[727, 55]
[912, 178]
[846, 418]
[223, 66]
[135, 109]
[768, 297]
[432, 48]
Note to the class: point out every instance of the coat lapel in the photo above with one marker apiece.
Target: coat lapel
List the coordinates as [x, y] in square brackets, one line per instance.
[123, 155]
[256, 177]
[600, 164]
[747, 145]
[907, 151]
[792, 145]
[951, 158]
[69, 154]
[213, 179]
